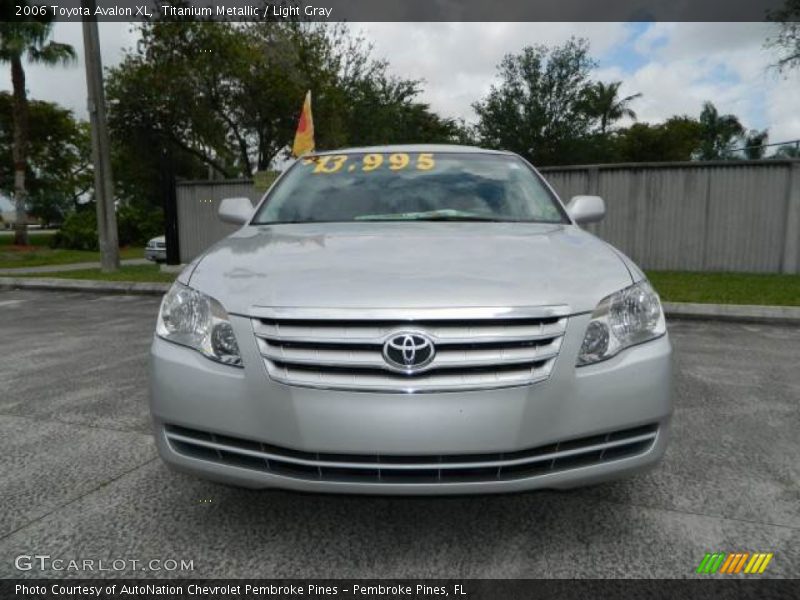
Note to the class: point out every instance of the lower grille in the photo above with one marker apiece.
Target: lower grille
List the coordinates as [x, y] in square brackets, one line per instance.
[410, 469]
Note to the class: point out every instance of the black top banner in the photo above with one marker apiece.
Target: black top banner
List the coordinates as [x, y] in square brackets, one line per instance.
[402, 10]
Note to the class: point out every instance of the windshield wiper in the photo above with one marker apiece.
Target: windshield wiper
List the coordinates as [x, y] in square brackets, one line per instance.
[462, 218]
[431, 215]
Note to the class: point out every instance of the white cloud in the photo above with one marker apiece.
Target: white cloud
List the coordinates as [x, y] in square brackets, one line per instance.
[458, 60]
[726, 63]
[672, 41]
[676, 66]
[781, 109]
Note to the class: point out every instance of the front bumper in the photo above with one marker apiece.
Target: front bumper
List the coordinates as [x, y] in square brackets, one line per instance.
[193, 393]
[155, 254]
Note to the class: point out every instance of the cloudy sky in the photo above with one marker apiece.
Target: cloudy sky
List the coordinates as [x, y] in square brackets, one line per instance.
[676, 66]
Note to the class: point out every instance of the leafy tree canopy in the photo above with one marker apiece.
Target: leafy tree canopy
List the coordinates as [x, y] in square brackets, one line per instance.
[224, 98]
[677, 139]
[719, 135]
[787, 42]
[537, 109]
[59, 157]
[602, 102]
[547, 108]
[26, 39]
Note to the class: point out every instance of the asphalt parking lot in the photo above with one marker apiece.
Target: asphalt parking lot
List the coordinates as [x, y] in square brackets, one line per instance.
[80, 478]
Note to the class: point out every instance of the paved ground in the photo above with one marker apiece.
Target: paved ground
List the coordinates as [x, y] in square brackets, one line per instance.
[68, 267]
[79, 478]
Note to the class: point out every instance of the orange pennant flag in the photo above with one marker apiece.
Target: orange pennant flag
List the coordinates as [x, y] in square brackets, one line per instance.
[304, 138]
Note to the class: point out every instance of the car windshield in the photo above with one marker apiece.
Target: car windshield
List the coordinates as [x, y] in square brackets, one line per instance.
[410, 186]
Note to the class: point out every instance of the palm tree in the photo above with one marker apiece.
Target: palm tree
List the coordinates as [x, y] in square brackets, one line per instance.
[718, 133]
[788, 151]
[601, 101]
[754, 141]
[26, 39]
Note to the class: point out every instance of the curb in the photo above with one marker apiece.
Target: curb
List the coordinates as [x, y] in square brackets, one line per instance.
[751, 313]
[85, 285]
[45, 269]
[673, 310]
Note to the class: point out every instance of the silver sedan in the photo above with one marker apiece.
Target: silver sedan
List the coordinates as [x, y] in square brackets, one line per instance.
[411, 320]
[156, 249]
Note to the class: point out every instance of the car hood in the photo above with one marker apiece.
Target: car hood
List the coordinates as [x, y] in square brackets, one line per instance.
[405, 265]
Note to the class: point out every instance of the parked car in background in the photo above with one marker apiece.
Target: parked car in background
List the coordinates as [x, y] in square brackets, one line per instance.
[411, 320]
[156, 249]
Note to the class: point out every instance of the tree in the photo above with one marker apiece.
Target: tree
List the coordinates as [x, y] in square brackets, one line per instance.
[20, 40]
[537, 107]
[677, 139]
[224, 98]
[719, 133]
[788, 151]
[754, 141]
[602, 102]
[787, 43]
[157, 105]
[58, 171]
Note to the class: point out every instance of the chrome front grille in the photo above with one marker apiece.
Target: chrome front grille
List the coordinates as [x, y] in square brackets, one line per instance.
[409, 469]
[475, 348]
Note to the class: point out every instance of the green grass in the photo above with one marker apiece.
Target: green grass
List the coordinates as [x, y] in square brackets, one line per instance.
[38, 253]
[35, 238]
[126, 273]
[727, 288]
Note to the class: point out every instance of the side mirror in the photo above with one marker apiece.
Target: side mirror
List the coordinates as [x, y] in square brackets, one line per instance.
[235, 210]
[586, 209]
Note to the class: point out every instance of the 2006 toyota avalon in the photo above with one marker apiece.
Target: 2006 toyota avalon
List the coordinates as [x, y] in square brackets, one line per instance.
[411, 320]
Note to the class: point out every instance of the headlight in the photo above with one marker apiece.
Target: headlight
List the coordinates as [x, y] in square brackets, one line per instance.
[193, 319]
[625, 318]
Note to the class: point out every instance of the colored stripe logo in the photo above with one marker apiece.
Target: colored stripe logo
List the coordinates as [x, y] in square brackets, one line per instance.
[731, 563]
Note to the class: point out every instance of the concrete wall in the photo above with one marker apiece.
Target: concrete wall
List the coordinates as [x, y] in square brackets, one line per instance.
[697, 216]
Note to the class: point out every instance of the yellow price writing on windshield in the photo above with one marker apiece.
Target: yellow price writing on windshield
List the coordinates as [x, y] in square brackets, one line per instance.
[330, 164]
[396, 161]
[371, 162]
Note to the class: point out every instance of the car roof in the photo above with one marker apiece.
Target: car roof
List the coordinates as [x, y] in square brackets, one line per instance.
[414, 148]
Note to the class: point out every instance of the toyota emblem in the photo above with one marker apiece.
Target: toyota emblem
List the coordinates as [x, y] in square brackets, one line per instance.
[408, 351]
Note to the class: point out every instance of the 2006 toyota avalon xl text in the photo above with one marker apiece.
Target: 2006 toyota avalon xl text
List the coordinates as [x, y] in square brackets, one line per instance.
[411, 320]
